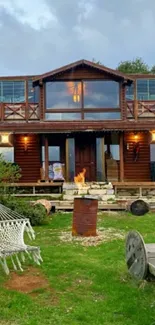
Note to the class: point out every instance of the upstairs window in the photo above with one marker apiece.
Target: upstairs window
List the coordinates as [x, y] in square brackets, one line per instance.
[33, 93]
[101, 94]
[12, 91]
[63, 95]
[145, 90]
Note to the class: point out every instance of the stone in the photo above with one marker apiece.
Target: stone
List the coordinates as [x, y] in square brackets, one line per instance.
[97, 191]
[110, 191]
[108, 198]
[107, 186]
[71, 192]
[95, 186]
[82, 191]
[67, 197]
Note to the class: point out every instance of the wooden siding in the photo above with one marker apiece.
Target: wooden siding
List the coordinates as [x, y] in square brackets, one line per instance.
[137, 170]
[28, 160]
[83, 73]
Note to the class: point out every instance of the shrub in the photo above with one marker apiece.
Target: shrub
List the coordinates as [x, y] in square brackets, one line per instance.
[37, 214]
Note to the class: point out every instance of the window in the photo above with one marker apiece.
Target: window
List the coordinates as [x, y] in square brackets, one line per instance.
[101, 94]
[130, 92]
[63, 95]
[7, 153]
[142, 89]
[12, 91]
[63, 116]
[102, 116]
[33, 93]
[53, 152]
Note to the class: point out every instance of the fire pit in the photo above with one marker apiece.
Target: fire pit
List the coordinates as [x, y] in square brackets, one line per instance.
[85, 217]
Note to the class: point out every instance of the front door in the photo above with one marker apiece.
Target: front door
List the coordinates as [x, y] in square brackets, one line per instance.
[85, 152]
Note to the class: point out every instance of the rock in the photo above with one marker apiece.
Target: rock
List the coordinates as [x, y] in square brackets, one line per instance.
[110, 191]
[97, 191]
[95, 186]
[47, 204]
[71, 192]
[108, 198]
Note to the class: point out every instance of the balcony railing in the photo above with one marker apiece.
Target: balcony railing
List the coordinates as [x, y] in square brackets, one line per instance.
[140, 109]
[19, 112]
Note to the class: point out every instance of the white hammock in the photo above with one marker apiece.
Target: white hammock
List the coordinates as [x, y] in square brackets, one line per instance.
[12, 228]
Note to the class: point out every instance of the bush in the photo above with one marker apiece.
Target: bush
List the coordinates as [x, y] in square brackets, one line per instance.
[37, 214]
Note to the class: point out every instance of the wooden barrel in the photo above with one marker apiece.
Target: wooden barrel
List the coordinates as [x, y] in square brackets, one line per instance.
[85, 217]
[140, 257]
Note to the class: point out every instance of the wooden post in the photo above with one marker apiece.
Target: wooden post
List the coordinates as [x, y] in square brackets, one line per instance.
[121, 158]
[46, 158]
[136, 109]
[27, 99]
[135, 105]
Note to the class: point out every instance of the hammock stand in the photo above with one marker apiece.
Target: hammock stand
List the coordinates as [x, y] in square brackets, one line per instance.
[12, 229]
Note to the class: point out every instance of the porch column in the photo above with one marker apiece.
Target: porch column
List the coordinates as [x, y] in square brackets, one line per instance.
[70, 159]
[46, 158]
[100, 160]
[121, 157]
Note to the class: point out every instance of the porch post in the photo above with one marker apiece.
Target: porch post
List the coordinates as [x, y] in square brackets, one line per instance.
[46, 158]
[121, 157]
[100, 159]
[70, 159]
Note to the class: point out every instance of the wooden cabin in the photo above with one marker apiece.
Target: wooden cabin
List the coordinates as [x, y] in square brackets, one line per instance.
[82, 115]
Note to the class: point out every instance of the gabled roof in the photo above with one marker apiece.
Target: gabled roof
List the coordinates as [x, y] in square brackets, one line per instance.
[74, 65]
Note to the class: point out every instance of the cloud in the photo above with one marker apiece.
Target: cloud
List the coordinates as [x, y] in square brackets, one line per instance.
[41, 35]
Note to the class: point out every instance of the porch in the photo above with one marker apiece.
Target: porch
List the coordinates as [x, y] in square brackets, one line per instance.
[106, 156]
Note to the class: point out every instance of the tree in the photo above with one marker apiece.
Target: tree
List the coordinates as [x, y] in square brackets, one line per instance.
[153, 69]
[135, 66]
[97, 62]
[9, 172]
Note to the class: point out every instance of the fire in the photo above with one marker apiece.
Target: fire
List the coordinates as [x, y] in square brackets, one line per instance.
[80, 178]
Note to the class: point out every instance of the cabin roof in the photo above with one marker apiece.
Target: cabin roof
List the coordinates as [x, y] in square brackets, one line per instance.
[86, 63]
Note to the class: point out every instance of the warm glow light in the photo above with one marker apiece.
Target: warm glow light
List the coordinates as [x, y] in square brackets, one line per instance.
[25, 143]
[76, 98]
[136, 136]
[4, 138]
[153, 136]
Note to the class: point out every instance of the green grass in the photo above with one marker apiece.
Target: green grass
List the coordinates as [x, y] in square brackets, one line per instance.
[87, 285]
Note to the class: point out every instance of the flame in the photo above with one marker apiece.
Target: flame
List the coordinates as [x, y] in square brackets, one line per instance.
[75, 89]
[80, 178]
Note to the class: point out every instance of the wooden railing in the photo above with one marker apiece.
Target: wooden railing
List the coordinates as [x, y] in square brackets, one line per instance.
[140, 109]
[19, 112]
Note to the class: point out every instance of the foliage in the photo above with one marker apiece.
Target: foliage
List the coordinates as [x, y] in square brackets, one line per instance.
[9, 172]
[153, 69]
[135, 66]
[37, 213]
[97, 62]
[85, 285]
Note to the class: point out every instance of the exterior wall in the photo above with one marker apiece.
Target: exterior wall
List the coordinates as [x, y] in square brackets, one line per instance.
[28, 160]
[83, 73]
[137, 170]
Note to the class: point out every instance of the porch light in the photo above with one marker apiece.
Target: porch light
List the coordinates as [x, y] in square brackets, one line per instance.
[25, 143]
[153, 137]
[5, 139]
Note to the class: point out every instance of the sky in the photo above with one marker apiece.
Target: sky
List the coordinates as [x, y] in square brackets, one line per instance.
[37, 36]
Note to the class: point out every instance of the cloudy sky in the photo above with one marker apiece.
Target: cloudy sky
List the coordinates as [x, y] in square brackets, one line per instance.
[40, 35]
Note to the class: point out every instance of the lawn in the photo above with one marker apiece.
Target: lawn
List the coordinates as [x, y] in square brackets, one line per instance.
[84, 284]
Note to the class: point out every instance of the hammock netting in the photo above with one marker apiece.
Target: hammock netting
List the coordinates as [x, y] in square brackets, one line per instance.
[12, 229]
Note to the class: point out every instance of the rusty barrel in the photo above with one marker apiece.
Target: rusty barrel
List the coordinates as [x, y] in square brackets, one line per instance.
[85, 217]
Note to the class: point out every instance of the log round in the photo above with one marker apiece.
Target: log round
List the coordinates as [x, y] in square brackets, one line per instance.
[139, 208]
[136, 255]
